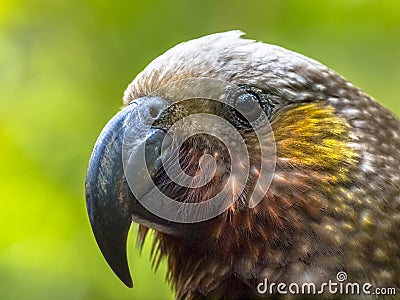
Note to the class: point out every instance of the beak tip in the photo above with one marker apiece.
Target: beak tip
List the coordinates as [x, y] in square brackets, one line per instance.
[113, 248]
[125, 277]
[121, 269]
[129, 283]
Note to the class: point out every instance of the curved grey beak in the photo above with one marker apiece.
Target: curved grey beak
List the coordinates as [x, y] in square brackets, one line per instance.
[110, 203]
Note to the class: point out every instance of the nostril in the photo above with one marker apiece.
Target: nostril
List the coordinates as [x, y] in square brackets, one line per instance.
[150, 109]
[154, 112]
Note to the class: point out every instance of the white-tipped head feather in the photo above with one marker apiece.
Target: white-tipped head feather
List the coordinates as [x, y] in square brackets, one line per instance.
[227, 56]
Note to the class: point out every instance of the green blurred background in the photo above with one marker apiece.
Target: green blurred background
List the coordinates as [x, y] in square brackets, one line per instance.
[63, 68]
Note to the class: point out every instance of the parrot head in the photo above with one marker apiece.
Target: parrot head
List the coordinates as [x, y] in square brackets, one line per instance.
[248, 161]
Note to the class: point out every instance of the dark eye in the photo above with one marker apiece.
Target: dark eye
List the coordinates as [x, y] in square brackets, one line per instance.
[247, 105]
[251, 106]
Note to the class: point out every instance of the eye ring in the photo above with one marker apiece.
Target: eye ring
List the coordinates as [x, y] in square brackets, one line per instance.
[249, 105]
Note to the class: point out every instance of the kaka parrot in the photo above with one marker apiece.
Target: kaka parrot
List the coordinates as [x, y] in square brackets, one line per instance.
[316, 192]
